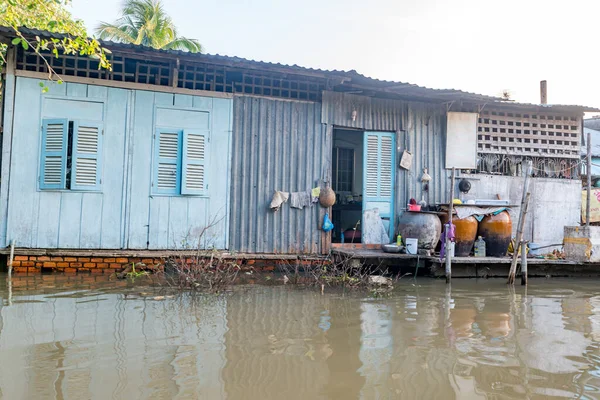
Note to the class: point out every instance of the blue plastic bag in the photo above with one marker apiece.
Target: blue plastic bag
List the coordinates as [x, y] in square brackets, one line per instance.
[327, 224]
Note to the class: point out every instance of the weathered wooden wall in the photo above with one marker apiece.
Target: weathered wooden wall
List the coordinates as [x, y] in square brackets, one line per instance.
[124, 214]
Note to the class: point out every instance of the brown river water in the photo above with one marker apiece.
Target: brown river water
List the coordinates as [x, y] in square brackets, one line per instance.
[80, 338]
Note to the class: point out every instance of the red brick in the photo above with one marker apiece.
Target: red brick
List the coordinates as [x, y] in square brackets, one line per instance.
[21, 258]
[109, 260]
[49, 264]
[56, 258]
[102, 265]
[43, 258]
[39, 264]
[83, 270]
[20, 270]
[96, 260]
[122, 260]
[33, 270]
[96, 271]
[110, 271]
[251, 262]
[33, 258]
[116, 266]
[27, 264]
[89, 265]
[83, 259]
[71, 259]
[16, 263]
[63, 265]
[148, 261]
[70, 270]
[75, 265]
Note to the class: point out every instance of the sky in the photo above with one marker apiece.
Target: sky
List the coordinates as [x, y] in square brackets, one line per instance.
[480, 46]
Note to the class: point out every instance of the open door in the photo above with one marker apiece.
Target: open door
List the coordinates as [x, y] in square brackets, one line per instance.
[379, 176]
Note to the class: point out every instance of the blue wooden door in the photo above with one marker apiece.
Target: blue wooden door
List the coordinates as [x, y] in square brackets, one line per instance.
[379, 176]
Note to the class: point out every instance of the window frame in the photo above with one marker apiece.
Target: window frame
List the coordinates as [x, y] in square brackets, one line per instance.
[337, 170]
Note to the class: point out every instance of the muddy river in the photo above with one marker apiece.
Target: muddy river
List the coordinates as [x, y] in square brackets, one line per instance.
[81, 338]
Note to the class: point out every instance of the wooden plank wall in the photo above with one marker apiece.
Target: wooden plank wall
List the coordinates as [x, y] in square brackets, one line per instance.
[124, 214]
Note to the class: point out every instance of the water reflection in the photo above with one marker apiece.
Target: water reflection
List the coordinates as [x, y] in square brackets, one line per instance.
[474, 340]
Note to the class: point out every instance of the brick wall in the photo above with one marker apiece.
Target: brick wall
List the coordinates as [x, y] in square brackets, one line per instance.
[89, 265]
[102, 265]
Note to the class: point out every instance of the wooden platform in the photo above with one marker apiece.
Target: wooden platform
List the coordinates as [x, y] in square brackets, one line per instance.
[468, 267]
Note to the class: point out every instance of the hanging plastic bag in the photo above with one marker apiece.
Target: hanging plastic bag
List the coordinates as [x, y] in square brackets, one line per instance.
[327, 224]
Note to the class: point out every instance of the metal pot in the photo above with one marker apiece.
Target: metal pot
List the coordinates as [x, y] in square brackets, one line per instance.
[424, 226]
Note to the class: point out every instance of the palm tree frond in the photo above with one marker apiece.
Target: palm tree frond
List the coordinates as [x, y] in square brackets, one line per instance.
[182, 43]
[108, 31]
[146, 22]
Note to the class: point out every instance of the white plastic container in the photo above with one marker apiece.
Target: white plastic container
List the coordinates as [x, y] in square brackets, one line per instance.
[451, 249]
[412, 246]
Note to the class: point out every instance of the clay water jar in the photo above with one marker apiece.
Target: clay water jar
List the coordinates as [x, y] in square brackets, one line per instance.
[464, 234]
[496, 230]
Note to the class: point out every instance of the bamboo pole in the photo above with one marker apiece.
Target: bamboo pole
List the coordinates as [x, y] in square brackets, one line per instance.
[523, 263]
[519, 239]
[589, 180]
[450, 209]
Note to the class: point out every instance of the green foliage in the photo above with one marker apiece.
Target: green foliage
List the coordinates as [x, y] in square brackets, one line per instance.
[52, 16]
[145, 22]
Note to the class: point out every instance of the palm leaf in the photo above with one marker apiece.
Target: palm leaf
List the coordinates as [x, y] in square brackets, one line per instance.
[182, 43]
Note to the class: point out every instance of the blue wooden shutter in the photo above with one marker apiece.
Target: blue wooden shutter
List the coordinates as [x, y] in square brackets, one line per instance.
[194, 156]
[167, 165]
[379, 175]
[86, 162]
[53, 166]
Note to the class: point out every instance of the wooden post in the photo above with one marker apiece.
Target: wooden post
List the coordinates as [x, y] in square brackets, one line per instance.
[518, 240]
[450, 209]
[523, 263]
[11, 258]
[589, 180]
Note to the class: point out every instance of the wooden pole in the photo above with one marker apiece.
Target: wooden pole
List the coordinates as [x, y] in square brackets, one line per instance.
[523, 263]
[11, 258]
[589, 180]
[450, 209]
[519, 239]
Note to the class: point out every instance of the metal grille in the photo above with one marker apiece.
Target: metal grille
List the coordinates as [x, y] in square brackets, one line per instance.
[543, 167]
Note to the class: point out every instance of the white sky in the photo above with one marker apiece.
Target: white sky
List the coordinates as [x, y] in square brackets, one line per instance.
[479, 46]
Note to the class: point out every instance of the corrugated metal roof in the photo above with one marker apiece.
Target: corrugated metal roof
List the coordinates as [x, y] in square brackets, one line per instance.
[395, 88]
[391, 87]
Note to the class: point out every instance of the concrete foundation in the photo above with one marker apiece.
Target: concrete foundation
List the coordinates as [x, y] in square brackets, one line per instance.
[582, 243]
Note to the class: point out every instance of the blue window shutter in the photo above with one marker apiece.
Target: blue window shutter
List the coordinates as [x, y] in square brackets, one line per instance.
[194, 157]
[86, 160]
[55, 135]
[167, 161]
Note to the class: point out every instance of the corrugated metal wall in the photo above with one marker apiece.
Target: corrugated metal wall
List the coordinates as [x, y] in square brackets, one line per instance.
[276, 145]
[420, 128]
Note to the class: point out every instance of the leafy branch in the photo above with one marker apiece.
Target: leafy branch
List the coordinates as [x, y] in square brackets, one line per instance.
[51, 16]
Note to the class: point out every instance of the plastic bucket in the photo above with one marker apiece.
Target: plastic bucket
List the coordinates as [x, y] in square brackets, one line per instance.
[412, 246]
[534, 249]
